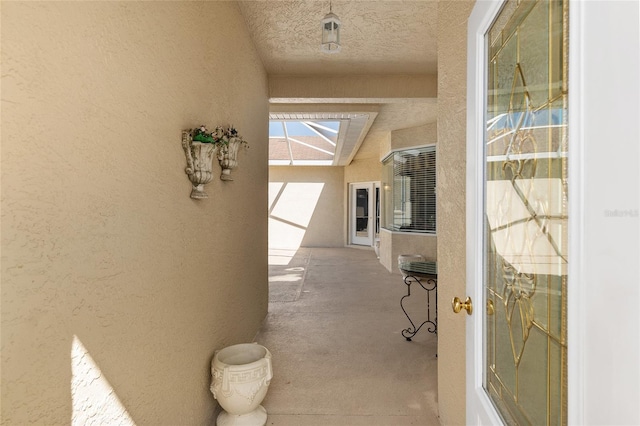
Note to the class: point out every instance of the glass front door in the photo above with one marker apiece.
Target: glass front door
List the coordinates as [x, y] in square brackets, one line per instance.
[525, 206]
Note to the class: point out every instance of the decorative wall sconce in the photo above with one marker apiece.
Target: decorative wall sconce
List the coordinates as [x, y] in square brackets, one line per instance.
[229, 144]
[331, 25]
[199, 153]
[200, 146]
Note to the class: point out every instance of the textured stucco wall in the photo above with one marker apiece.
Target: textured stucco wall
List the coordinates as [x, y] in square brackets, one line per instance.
[300, 187]
[451, 166]
[393, 244]
[366, 165]
[363, 170]
[104, 255]
[414, 136]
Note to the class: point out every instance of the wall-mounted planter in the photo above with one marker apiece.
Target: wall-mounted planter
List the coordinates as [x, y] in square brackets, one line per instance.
[228, 156]
[199, 163]
[200, 146]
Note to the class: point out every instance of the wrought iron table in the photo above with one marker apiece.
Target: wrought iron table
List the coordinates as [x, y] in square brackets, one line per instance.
[426, 275]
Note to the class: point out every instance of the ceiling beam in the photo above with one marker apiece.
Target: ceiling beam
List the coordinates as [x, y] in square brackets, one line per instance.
[351, 89]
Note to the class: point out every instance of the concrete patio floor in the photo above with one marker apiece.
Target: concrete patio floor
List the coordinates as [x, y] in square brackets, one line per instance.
[339, 359]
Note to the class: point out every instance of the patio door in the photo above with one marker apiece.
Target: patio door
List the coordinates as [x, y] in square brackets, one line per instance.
[364, 213]
[550, 156]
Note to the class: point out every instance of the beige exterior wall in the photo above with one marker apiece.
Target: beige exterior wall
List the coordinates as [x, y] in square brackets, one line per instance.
[366, 165]
[385, 145]
[363, 170]
[393, 244]
[306, 207]
[451, 154]
[116, 284]
[414, 136]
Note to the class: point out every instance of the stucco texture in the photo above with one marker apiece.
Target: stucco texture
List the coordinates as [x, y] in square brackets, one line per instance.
[451, 175]
[363, 170]
[393, 244]
[366, 165]
[414, 136]
[306, 206]
[106, 261]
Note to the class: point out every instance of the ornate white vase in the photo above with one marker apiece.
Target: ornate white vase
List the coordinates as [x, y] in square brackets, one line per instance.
[240, 379]
[199, 164]
[228, 157]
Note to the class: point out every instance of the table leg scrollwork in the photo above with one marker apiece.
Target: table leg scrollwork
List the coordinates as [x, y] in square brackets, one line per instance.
[429, 284]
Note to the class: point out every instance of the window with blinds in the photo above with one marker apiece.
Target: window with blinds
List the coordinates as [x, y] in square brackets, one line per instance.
[409, 196]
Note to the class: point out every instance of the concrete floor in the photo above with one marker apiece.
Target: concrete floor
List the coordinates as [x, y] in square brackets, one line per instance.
[339, 359]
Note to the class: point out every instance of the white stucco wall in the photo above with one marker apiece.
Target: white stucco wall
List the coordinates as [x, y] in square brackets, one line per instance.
[111, 275]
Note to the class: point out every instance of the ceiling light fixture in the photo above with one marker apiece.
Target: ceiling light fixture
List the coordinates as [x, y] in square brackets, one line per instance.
[331, 32]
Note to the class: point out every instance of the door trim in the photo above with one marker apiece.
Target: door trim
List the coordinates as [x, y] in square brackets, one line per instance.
[603, 111]
[480, 410]
[576, 304]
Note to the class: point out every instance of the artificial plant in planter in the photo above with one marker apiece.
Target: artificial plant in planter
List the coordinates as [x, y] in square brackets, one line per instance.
[229, 142]
[200, 146]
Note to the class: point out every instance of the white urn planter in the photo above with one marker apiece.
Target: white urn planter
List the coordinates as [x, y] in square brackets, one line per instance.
[199, 163]
[228, 157]
[240, 379]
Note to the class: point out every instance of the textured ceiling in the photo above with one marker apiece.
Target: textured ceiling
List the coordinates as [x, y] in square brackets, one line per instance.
[377, 37]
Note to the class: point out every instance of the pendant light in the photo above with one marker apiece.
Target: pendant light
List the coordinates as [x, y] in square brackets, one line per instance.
[331, 32]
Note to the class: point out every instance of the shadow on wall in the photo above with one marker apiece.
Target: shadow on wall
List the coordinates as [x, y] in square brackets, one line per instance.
[291, 206]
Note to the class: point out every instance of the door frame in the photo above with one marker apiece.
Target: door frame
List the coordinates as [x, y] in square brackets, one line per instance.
[604, 229]
[480, 409]
[604, 106]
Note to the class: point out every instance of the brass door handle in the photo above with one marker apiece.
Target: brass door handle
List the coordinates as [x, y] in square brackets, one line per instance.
[457, 305]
